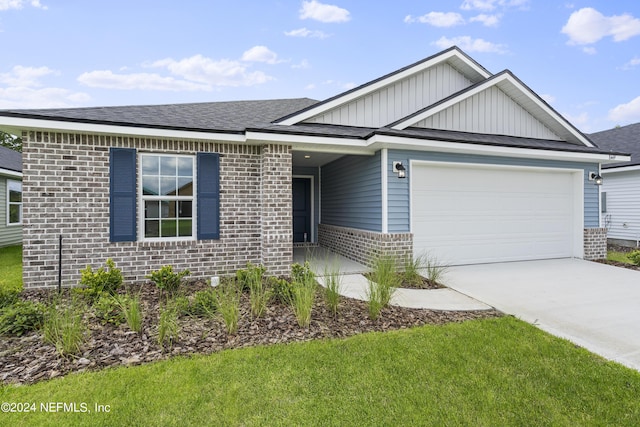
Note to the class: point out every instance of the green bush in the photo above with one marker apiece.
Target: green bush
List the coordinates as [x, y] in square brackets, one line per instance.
[205, 303]
[102, 280]
[228, 302]
[304, 292]
[132, 311]
[383, 281]
[21, 317]
[166, 280]
[108, 309]
[168, 327]
[634, 257]
[281, 289]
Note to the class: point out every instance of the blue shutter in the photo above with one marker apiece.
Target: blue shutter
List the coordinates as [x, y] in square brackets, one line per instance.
[122, 194]
[208, 195]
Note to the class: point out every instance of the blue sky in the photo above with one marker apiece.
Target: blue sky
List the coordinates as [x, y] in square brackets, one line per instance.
[583, 57]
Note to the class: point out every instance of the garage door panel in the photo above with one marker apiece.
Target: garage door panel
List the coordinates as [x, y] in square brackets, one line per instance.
[466, 215]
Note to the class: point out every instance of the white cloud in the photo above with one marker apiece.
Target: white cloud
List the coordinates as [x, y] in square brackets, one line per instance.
[19, 4]
[629, 112]
[492, 4]
[24, 97]
[304, 32]
[589, 50]
[581, 121]
[260, 54]
[197, 73]
[437, 19]
[20, 76]
[468, 44]
[587, 26]
[302, 65]
[107, 79]
[631, 64]
[486, 20]
[323, 12]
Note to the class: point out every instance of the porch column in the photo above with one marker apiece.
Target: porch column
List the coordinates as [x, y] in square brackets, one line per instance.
[277, 222]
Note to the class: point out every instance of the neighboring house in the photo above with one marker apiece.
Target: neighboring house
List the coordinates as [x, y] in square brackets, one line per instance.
[10, 197]
[491, 173]
[621, 185]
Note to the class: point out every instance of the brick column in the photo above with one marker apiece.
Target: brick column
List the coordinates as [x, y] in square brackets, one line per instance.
[277, 221]
[595, 243]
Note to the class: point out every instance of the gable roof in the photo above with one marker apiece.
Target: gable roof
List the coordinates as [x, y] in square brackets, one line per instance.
[453, 56]
[625, 139]
[10, 160]
[520, 94]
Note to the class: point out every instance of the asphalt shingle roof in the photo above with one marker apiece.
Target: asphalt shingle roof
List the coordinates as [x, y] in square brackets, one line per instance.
[625, 139]
[10, 159]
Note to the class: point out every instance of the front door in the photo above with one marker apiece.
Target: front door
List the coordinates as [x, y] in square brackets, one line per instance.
[301, 189]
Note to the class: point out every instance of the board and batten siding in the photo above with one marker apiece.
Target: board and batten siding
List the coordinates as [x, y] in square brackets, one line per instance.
[398, 100]
[352, 192]
[490, 111]
[9, 234]
[398, 196]
[623, 205]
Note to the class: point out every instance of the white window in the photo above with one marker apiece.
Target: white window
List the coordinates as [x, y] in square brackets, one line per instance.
[167, 197]
[14, 202]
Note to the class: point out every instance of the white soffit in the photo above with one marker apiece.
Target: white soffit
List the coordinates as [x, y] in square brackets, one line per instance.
[517, 91]
[455, 57]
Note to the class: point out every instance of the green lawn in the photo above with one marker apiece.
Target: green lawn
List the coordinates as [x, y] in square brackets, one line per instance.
[489, 372]
[11, 267]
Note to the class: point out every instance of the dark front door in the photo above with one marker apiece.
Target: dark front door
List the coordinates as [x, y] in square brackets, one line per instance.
[301, 189]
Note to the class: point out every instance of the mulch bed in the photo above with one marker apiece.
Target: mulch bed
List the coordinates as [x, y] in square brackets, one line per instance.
[27, 359]
[424, 284]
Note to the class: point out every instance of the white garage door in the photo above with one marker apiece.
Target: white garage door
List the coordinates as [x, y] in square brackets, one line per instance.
[465, 214]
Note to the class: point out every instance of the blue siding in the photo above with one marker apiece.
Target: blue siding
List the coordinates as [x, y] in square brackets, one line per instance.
[298, 170]
[398, 197]
[352, 192]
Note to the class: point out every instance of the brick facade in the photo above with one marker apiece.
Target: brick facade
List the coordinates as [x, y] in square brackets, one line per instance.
[66, 192]
[364, 246]
[595, 243]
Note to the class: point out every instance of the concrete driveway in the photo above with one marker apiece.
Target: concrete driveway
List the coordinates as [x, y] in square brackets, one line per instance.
[594, 305]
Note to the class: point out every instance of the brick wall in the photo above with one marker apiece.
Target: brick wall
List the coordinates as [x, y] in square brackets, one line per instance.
[364, 246]
[595, 243]
[66, 192]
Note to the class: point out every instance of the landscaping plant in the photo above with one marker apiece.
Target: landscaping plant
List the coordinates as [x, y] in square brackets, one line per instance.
[333, 287]
[411, 272]
[64, 326]
[168, 328]
[108, 309]
[204, 304]
[132, 311]
[281, 289]
[434, 269]
[21, 317]
[304, 292]
[167, 280]
[228, 302]
[634, 257]
[102, 280]
[383, 281]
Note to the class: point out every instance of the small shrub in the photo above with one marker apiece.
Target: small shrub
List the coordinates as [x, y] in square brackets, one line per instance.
[182, 305]
[281, 289]
[204, 303]
[21, 317]
[8, 296]
[108, 310]
[64, 328]
[634, 257]
[411, 272]
[434, 269]
[168, 328]
[102, 280]
[166, 279]
[228, 302]
[304, 292]
[333, 287]
[259, 294]
[250, 274]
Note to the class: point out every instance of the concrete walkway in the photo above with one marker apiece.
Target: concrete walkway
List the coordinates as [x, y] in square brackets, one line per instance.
[594, 305]
[355, 285]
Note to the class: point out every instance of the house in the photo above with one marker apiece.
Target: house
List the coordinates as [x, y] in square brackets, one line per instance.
[10, 197]
[620, 203]
[440, 156]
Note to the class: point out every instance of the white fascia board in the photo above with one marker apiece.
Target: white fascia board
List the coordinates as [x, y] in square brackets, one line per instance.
[620, 169]
[312, 143]
[350, 96]
[91, 128]
[378, 142]
[10, 173]
[483, 86]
